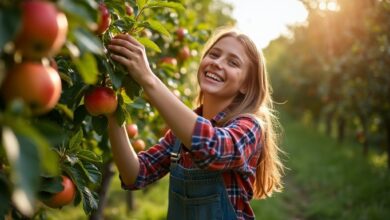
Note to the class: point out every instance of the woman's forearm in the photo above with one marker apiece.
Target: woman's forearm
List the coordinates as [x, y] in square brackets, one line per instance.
[180, 119]
[123, 154]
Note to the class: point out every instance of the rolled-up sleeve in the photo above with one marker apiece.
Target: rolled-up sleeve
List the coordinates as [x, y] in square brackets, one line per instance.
[154, 163]
[229, 147]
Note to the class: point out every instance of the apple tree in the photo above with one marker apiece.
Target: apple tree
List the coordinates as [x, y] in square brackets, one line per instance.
[57, 81]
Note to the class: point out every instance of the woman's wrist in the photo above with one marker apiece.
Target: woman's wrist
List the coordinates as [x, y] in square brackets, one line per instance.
[148, 80]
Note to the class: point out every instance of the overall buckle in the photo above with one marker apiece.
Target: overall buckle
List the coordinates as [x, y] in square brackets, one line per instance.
[175, 157]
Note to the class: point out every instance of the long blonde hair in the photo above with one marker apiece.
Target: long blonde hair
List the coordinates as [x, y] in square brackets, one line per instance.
[257, 102]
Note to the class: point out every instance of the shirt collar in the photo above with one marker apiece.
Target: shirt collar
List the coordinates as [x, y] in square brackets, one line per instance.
[215, 119]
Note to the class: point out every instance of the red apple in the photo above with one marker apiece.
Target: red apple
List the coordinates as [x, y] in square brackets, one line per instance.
[184, 53]
[168, 61]
[64, 197]
[100, 101]
[129, 9]
[181, 33]
[138, 145]
[37, 85]
[132, 130]
[43, 30]
[104, 19]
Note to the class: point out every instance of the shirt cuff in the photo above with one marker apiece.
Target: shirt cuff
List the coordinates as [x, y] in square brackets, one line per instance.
[136, 185]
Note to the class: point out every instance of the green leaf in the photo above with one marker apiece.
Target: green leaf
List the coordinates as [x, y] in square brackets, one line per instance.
[157, 26]
[22, 128]
[88, 42]
[94, 175]
[116, 78]
[65, 110]
[87, 67]
[78, 180]
[121, 113]
[90, 200]
[23, 157]
[51, 184]
[75, 140]
[10, 22]
[81, 12]
[160, 4]
[141, 4]
[125, 97]
[72, 159]
[149, 44]
[51, 131]
[87, 155]
[132, 88]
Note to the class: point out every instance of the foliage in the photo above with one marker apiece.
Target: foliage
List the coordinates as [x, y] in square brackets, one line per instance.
[336, 69]
[36, 149]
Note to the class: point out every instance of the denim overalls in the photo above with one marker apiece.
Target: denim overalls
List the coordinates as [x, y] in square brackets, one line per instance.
[196, 194]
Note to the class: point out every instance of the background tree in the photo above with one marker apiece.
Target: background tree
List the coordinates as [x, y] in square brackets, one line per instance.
[335, 69]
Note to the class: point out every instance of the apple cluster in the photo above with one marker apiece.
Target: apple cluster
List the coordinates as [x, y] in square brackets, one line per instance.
[132, 132]
[42, 34]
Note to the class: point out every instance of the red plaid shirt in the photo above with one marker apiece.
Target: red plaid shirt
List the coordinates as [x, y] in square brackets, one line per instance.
[234, 148]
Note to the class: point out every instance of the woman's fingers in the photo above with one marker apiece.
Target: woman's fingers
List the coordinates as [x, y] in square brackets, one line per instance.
[119, 59]
[128, 38]
[123, 43]
[121, 50]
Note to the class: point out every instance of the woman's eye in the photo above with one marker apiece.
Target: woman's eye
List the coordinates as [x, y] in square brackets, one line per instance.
[213, 55]
[234, 63]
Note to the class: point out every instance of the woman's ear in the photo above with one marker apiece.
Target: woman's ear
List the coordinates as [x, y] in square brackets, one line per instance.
[244, 87]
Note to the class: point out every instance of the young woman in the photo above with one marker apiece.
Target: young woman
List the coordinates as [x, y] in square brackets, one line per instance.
[218, 156]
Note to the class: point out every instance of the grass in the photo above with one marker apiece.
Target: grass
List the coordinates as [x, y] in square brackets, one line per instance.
[325, 180]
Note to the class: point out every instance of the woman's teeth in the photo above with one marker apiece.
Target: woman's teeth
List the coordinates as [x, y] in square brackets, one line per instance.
[214, 77]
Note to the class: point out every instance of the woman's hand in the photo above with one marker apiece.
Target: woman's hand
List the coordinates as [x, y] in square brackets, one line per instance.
[130, 53]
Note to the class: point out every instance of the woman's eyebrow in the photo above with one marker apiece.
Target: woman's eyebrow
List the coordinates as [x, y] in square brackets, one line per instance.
[229, 54]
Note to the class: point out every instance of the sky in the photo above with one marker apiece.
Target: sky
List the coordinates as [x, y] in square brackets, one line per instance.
[265, 20]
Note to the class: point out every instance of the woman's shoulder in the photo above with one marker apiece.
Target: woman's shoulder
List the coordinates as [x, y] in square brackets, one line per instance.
[247, 119]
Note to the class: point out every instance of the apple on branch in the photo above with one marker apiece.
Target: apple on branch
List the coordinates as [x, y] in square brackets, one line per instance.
[100, 101]
[43, 30]
[37, 85]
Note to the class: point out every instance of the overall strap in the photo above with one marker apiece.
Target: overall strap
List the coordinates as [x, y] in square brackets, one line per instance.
[175, 153]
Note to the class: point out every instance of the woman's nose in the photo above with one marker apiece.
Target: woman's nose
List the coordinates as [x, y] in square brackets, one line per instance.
[217, 63]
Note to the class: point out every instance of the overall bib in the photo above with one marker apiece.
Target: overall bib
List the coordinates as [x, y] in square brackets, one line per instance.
[196, 194]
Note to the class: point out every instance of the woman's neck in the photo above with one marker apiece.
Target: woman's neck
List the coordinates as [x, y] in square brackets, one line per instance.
[212, 106]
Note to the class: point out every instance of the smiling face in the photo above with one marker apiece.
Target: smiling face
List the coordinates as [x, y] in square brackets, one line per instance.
[223, 70]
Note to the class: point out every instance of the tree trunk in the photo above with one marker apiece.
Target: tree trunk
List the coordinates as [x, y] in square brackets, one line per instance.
[108, 173]
[363, 120]
[130, 201]
[328, 123]
[341, 129]
[387, 121]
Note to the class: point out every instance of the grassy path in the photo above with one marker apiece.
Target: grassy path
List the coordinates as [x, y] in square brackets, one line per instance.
[327, 180]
